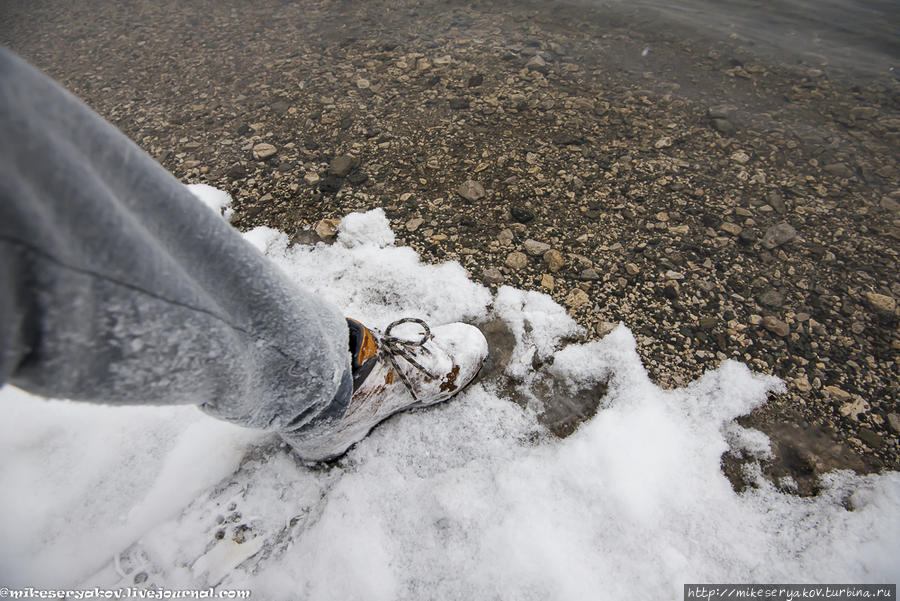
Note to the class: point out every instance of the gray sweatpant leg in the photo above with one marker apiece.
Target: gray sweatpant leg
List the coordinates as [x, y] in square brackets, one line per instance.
[118, 286]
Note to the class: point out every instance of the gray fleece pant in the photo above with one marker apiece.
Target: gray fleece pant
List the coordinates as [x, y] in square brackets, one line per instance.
[118, 286]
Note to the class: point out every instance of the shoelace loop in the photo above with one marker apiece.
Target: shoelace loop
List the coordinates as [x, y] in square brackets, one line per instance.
[392, 347]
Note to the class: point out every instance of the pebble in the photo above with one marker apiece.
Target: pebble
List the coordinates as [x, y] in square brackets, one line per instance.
[632, 269]
[724, 126]
[554, 259]
[327, 229]
[708, 323]
[747, 237]
[311, 178]
[881, 304]
[853, 408]
[836, 393]
[237, 171]
[776, 201]
[778, 234]
[341, 165]
[671, 274]
[663, 143]
[839, 170]
[771, 298]
[537, 63]
[535, 248]
[516, 260]
[776, 326]
[577, 298]
[740, 157]
[471, 190]
[521, 214]
[363, 83]
[731, 228]
[263, 151]
[871, 438]
[548, 282]
[413, 224]
[492, 275]
[590, 274]
[894, 422]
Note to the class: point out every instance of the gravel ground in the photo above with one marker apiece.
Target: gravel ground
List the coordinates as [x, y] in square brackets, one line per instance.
[721, 205]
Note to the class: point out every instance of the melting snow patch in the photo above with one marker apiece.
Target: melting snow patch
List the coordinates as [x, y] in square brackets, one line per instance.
[464, 500]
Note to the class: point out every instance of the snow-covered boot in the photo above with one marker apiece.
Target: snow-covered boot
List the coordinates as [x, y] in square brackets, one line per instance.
[392, 373]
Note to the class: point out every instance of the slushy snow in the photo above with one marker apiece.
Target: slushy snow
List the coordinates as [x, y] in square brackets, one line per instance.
[467, 500]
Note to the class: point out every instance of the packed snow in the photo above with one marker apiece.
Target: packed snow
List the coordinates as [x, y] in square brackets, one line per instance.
[467, 500]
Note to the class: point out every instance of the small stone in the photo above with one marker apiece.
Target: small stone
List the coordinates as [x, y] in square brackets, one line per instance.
[363, 83]
[342, 165]
[516, 260]
[839, 170]
[708, 323]
[632, 269]
[853, 408]
[755, 319]
[413, 224]
[331, 184]
[535, 248]
[548, 282]
[881, 304]
[279, 107]
[837, 394]
[237, 171]
[776, 201]
[577, 298]
[663, 143]
[357, 177]
[554, 259]
[671, 289]
[730, 228]
[894, 422]
[724, 126]
[801, 383]
[492, 275]
[263, 151]
[521, 214]
[776, 326]
[506, 236]
[589, 274]
[475, 81]
[311, 178]
[747, 237]
[889, 204]
[740, 157]
[871, 438]
[671, 274]
[471, 190]
[537, 63]
[459, 104]
[771, 298]
[778, 234]
[327, 229]
[720, 111]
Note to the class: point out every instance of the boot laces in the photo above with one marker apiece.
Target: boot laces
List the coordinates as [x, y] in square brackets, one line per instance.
[393, 347]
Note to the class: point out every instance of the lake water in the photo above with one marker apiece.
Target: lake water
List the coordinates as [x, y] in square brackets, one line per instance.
[862, 36]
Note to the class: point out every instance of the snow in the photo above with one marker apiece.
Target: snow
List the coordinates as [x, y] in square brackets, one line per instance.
[217, 200]
[469, 499]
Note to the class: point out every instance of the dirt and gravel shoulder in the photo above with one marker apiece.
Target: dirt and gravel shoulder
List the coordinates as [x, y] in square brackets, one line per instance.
[720, 205]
